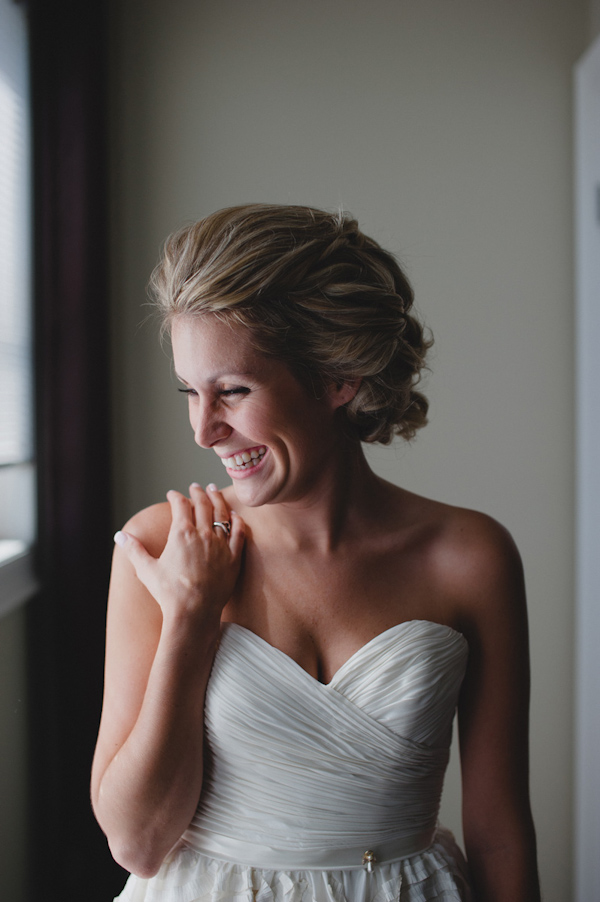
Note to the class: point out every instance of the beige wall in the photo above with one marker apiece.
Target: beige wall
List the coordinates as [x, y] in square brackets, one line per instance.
[445, 127]
[593, 19]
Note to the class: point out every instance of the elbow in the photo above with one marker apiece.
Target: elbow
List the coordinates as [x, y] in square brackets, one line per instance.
[139, 840]
[139, 858]
[141, 852]
[140, 849]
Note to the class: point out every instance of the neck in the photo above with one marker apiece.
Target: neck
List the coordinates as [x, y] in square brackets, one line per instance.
[339, 500]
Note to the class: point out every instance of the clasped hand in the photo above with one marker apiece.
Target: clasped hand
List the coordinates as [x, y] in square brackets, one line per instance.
[199, 565]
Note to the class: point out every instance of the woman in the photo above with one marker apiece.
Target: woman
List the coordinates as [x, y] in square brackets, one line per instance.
[285, 656]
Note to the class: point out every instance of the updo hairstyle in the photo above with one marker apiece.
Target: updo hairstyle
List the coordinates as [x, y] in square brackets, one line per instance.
[314, 292]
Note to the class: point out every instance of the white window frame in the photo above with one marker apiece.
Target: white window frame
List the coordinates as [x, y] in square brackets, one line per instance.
[587, 620]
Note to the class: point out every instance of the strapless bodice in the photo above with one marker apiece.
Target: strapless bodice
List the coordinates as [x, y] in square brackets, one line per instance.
[305, 774]
[302, 778]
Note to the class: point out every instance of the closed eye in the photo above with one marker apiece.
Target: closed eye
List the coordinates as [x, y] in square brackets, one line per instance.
[225, 392]
[234, 391]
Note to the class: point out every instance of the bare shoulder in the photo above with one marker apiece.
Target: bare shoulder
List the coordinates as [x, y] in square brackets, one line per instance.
[477, 567]
[127, 594]
[467, 559]
[462, 544]
[472, 547]
[151, 526]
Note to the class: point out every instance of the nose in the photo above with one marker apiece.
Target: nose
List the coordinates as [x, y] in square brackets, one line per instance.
[208, 424]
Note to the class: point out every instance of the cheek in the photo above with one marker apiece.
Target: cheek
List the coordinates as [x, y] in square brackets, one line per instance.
[256, 420]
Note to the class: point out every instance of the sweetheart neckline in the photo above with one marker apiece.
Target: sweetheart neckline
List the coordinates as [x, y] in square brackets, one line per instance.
[363, 648]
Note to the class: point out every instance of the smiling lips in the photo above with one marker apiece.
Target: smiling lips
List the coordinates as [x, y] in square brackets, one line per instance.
[245, 460]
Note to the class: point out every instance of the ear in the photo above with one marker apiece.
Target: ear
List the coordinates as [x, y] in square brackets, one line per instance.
[343, 393]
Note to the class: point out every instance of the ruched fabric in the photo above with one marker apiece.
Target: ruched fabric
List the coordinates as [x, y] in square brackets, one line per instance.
[302, 778]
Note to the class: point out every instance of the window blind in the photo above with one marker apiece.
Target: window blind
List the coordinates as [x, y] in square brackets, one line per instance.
[16, 440]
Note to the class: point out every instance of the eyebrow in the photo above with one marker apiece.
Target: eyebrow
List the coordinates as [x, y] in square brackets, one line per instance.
[219, 376]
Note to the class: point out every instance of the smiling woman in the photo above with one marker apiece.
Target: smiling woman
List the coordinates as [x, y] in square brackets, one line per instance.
[254, 414]
[285, 656]
[313, 290]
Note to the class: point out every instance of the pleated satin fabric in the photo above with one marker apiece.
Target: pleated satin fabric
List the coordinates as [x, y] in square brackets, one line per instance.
[302, 778]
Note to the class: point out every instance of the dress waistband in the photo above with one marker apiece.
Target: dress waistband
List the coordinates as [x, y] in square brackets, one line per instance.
[267, 858]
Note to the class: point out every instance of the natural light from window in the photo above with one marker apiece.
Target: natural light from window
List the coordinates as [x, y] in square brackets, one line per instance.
[17, 475]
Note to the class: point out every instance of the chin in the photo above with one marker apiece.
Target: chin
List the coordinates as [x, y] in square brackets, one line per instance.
[249, 498]
[258, 489]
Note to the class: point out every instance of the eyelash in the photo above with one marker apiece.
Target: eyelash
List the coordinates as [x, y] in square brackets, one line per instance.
[226, 392]
[234, 391]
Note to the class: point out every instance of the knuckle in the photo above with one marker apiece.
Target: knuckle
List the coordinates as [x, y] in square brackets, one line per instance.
[185, 532]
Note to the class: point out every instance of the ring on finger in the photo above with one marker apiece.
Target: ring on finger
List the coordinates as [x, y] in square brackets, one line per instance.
[225, 525]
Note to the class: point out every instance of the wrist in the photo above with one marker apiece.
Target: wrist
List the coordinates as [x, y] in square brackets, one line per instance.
[190, 625]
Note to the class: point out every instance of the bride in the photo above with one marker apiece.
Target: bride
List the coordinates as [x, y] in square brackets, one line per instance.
[285, 656]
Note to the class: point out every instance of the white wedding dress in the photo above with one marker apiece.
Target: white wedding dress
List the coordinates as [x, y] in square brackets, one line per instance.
[303, 778]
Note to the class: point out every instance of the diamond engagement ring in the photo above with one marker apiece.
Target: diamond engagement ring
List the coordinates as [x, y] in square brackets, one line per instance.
[225, 525]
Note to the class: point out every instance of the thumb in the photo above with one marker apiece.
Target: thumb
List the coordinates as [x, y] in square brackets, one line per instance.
[135, 552]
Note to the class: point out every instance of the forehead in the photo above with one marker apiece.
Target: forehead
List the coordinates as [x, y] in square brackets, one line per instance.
[208, 345]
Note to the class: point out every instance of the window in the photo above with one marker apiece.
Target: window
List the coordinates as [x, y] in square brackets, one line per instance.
[17, 472]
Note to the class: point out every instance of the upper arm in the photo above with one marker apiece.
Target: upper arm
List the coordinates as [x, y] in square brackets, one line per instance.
[133, 628]
[494, 701]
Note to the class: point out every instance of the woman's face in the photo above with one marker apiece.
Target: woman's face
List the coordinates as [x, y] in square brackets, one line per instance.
[275, 440]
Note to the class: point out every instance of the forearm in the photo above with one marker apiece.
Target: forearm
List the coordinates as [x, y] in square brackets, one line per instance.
[504, 870]
[147, 794]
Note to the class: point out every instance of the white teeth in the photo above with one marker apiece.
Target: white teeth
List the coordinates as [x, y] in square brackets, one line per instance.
[246, 460]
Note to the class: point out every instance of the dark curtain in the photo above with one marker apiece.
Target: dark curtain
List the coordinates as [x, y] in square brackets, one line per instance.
[69, 860]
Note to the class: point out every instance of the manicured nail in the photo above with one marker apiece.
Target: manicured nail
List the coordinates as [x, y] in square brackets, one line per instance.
[212, 487]
[120, 538]
[195, 485]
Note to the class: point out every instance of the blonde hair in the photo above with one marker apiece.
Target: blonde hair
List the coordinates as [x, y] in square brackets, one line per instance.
[314, 292]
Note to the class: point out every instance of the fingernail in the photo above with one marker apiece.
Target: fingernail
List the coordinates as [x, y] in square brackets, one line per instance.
[212, 487]
[120, 538]
[194, 485]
